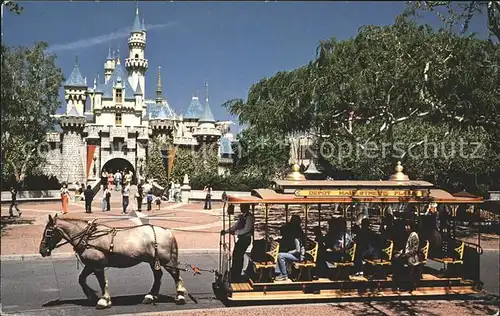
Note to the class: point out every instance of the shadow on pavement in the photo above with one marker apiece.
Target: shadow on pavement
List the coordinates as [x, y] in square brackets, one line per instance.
[7, 222]
[485, 303]
[125, 300]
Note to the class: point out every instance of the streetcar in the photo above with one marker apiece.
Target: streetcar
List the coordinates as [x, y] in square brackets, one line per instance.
[451, 270]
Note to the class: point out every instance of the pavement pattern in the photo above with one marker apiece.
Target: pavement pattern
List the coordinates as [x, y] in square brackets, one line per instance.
[193, 227]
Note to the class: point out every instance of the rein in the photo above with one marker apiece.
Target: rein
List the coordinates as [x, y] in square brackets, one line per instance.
[83, 235]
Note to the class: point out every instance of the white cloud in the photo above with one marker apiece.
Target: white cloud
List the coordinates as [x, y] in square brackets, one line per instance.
[104, 38]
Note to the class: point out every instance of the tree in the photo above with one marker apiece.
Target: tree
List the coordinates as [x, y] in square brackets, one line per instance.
[184, 163]
[460, 12]
[386, 85]
[29, 96]
[13, 6]
[259, 155]
[155, 169]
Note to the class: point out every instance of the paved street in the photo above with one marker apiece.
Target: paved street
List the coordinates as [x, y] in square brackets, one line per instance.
[31, 288]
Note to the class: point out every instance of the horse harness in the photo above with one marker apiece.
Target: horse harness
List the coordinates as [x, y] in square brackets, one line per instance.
[89, 233]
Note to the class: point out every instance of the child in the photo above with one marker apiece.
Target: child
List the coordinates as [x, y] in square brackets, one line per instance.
[149, 199]
[158, 203]
[105, 199]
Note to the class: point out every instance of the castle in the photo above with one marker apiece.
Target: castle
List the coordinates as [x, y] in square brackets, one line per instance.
[111, 125]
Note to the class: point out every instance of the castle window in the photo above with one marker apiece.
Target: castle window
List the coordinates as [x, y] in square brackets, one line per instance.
[136, 56]
[118, 119]
[119, 98]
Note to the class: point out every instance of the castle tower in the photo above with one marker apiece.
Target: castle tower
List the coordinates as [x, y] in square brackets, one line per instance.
[136, 64]
[75, 90]
[206, 132]
[73, 146]
[159, 92]
[109, 65]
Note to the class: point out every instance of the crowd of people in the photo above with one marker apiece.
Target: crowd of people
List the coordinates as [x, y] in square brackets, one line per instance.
[333, 246]
[119, 181]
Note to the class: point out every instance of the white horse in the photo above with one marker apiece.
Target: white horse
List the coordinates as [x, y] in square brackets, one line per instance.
[99, 246]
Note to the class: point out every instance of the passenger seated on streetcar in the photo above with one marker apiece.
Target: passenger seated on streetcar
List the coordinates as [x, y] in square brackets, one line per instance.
[337, 239]
[411, 255]
[429, 232]
[320, 268]
[387, 227]
[291, 248]
[367, 245]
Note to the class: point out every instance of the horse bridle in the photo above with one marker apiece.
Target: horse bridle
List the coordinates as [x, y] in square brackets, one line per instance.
[83, 235]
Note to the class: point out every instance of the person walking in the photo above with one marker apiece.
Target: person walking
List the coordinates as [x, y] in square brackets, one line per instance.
[125, 198]
[80, 191]
[128, 178]
[139, 195]
[13, 203]
[208, 197]
[89, 197]
[118, 180]
[104, 204]
[64, 198]
[108, 199]
[104, 179]
[149, 199]
[111, 180]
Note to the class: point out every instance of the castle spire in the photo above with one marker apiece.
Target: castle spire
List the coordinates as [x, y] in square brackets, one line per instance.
[206, 92]
[110, 57]
[159, 92]
[206, 115]
[136, 27]
[118, 56]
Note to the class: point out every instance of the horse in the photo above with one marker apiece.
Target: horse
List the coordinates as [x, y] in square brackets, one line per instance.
[99, 246]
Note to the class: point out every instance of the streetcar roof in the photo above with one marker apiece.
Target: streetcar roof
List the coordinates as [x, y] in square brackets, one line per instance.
[353, 183]
[268, 196]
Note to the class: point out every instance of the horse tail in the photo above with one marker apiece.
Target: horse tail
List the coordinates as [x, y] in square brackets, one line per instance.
[174, 251]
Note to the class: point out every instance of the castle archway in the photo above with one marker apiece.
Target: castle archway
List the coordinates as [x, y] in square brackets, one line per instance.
[119, 164]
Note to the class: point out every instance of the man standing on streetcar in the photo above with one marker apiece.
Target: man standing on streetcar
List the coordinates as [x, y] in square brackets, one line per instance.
[243, 228]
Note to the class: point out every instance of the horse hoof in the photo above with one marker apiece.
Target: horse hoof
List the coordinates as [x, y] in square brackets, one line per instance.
[103, 303]
[148, 299]
[180, 300]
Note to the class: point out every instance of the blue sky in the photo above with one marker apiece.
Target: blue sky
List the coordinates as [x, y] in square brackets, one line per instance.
[232, 45]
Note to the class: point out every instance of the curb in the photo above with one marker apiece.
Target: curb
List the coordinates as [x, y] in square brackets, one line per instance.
[66, 255]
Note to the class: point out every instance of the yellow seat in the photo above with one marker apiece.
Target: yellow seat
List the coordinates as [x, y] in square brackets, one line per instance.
[388, 251]
[265, 269]
[381, 265]
[425, 250]
[455, 262]
[460, 255]
[342, 266]
[305, 267]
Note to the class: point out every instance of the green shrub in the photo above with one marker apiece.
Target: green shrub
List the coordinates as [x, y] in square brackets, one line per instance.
[232, 182]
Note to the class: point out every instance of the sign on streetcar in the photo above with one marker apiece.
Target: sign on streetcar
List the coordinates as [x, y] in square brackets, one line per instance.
[360, 193]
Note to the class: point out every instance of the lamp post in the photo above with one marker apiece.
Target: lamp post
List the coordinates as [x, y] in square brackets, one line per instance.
[140, 166]
[1, 23]
[94, 168]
